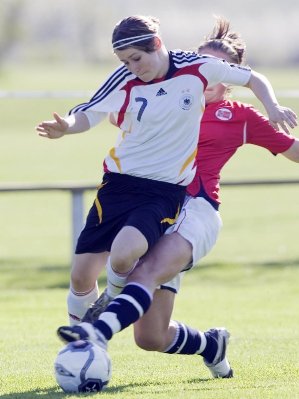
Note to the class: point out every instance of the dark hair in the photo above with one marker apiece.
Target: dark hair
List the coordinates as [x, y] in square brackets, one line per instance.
[137, 25]
[225, 40]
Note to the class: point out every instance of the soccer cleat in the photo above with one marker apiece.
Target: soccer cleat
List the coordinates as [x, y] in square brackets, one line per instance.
[97, 308]
[82, 331]
[220, 367]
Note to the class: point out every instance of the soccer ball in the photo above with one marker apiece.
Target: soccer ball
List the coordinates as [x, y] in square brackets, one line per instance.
[82, 366]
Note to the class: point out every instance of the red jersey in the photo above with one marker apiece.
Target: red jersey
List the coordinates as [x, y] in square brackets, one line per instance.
[226, 126]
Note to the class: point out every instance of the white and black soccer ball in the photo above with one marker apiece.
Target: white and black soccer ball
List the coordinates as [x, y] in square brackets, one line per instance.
[82, 366]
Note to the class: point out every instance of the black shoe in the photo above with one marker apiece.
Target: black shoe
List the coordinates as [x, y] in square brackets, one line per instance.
[100, 305]
[83, 331]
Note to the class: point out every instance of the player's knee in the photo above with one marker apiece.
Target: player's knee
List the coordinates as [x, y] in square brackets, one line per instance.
[80, 282]
[122, 262]
[127, 248]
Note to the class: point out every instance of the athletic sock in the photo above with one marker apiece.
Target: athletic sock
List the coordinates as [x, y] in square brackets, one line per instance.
[78, 303]
[115, 281]
[124, 310]
[187, 341]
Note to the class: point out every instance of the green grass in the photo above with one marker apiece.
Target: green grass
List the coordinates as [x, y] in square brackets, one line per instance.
[249, 282]
[258, 302]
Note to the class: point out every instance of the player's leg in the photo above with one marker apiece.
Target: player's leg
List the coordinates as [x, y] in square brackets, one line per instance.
[128, 246]
[176, 252]
[200, 226]
[155, 331]
[103, 231]
[136, 297]
[143, 228]
[144, 224]
[146, 278]
[163, 262]
[194, 235]
[83, 285]
[105, 219]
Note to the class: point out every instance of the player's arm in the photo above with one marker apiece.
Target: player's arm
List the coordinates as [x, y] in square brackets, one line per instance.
[58, 127]
[261, 133]
[233, 74]
[293, 152]
[278, 115]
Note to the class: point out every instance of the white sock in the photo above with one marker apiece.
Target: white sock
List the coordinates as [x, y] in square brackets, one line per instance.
[116, 281]
[78, 303]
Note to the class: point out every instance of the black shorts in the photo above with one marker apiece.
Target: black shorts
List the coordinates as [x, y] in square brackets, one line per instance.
[123, 200]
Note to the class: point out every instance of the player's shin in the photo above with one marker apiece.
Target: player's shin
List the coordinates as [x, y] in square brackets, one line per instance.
[124, 310]
[116, 281]
[128, 307]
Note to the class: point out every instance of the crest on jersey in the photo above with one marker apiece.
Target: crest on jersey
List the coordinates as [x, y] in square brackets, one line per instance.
[224, 114]
[186, 101]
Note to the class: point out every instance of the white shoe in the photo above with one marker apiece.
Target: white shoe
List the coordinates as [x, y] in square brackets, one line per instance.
[220, 367]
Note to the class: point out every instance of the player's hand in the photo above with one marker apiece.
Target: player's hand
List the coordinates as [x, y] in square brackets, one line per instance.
[53, 129]
[282, 117]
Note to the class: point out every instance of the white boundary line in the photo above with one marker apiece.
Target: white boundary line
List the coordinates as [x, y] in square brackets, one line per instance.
[30, 94]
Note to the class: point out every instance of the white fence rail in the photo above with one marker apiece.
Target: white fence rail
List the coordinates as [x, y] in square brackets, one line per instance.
[32, 94]
[77, 189]
[77, 195]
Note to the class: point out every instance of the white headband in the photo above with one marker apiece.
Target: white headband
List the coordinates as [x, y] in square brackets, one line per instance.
[130, 40]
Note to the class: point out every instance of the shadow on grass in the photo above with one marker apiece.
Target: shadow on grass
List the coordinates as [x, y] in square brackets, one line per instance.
[149, 387]
[244, 272]
[281, 264]
[33, 274]
[36, 393]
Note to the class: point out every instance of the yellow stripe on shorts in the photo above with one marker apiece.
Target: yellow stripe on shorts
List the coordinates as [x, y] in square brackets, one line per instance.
[98, 205]
[172, 221]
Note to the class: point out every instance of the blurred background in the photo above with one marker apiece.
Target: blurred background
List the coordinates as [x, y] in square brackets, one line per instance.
[55, 53]
[80, 30]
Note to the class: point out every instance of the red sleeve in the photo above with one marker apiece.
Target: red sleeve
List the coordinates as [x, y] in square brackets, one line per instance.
[260, 132]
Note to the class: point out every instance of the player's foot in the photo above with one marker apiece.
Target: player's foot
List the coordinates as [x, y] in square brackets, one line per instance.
[83, 331]
[97, 308]
[220, 367]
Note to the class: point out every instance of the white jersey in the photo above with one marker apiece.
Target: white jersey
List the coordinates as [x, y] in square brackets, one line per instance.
[160, 120]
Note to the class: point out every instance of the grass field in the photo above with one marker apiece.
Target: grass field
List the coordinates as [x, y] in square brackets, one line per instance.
[248, 283]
